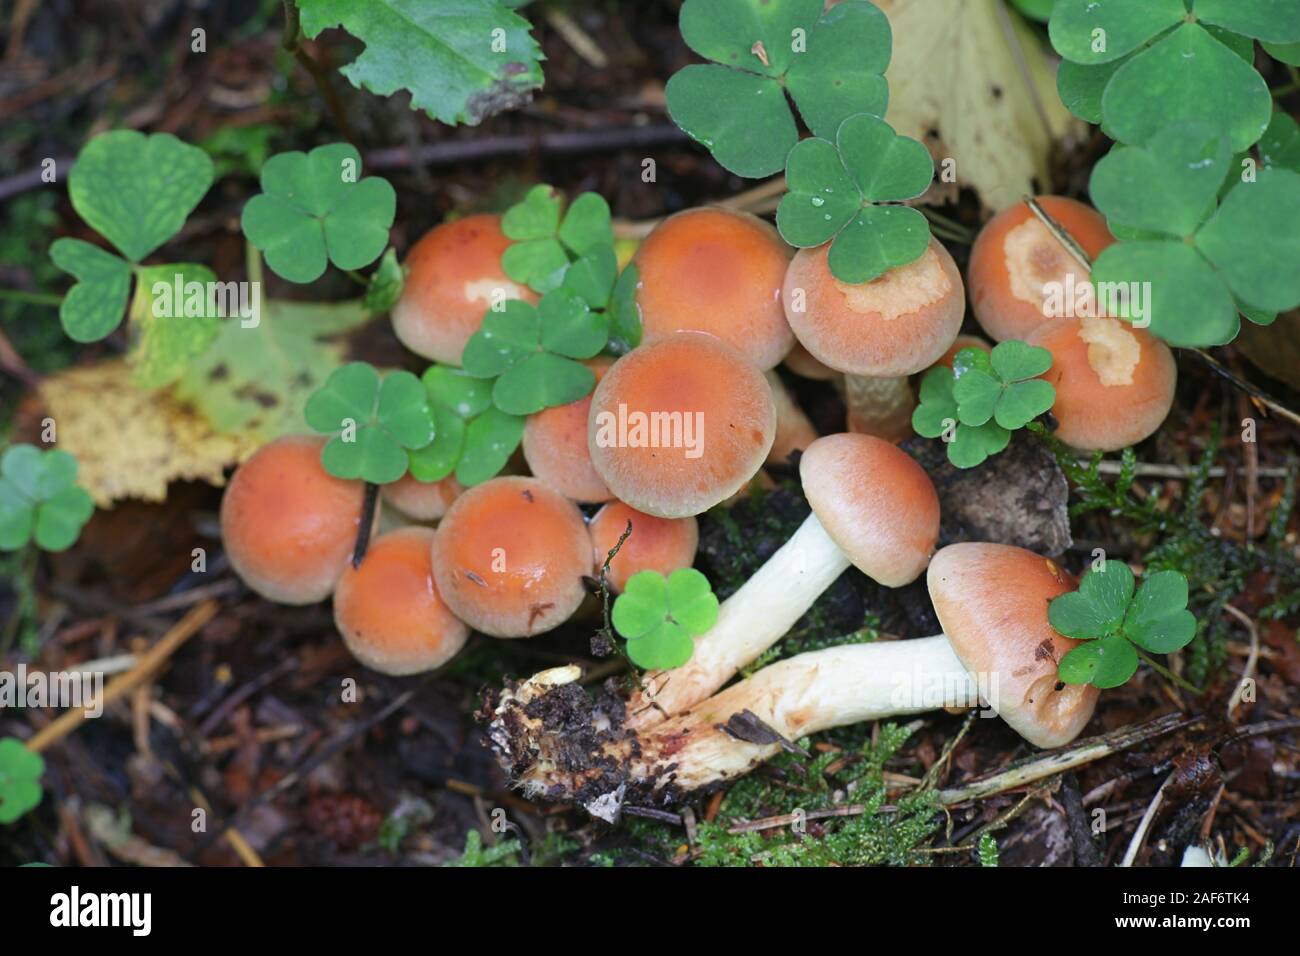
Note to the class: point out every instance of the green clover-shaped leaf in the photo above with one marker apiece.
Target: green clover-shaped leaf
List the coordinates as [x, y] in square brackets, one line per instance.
[835, 191]
[374, 422]
[40, 499]
[937, 410]
[660, 617]
[624, 313]
[1097, 609]
[94, 306]
[472, 438]
[937, 415]
[1157, 620]
[972, 445]
[546, 243]
[1280, 144]
[1009, 390]
[385, 286]
[20, 779]
[1104, 663]
[315, 208]
[490, 439]
[832, 64]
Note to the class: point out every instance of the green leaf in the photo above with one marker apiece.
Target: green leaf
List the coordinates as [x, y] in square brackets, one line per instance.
[624, 313]
[1186, 75]
[137, 190]
[1158, 620]
[315, 208]
[438, 459]
[1254, 242]
[1081, 87]
[669, 645]
[171, 326]
[592, 276]
[370, 455]
[93, 307]
[541, 381]
[1014, 361]
[40, 499]
[691, 601]
[822, 198]
[1283, 52]
[504, 339]
[1040, 10]
[24, 466]
[457, 390]
[377, 422]
[462, 62]
[842, 71]
[726, 31]
[569, 327]
[1099, 31]
[60, 518]
[977, 395]
[586, 224]
[1104, 663]
[1280, 144]
[642, 605]
[1022, 402]
[741, 118]
[490, 440]
[660, 617]
[403, 410]
[347, 398]
[1097, 608]
[385, 286]
[539, 264]
[1277, 21]
[972, 445]
[886, 167]
[536, 216]
[938, 405]
[20, 779]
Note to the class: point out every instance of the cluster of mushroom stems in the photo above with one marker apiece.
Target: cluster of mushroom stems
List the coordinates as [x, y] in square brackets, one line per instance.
[681, 424]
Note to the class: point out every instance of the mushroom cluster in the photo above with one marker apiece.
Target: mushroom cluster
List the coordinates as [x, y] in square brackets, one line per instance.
[610, 485]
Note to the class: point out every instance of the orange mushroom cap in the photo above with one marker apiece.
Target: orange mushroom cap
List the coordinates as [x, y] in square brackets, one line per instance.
[680, 424]
[719, 271]
[794, 430]
[422, 500]
[287, 525]
[510, 556]
[1114, 383]
[1015, 256]
[893, 325]
[992, 600]
[555, 446]
[799, 361]
[389, 611]
[876, 503]
[655, 544]
[453, 276]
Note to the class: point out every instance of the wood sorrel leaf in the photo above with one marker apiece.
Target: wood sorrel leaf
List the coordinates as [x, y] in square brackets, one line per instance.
[1088, 31]
[1104, 663]
[1253, 240]
[1097, 608]
[94, 306]
[1157, 619]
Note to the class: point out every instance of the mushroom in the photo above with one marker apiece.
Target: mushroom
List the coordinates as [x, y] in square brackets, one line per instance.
[680, 424]
[654, 544]
[287, 525]
[718, 271]
[801, 362]
[389, 611]
[872, 506]
[555, 446]
[509, 557]
[453, 277]
[1114, 382]
[998, 649]
[1015, 260]
[794, 432]
[422, 500]
[885, 329]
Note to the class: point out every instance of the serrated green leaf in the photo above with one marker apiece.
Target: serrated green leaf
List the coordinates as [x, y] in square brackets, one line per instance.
[1099, 31]
[94, 306]
[490, 439]
[1253, 240]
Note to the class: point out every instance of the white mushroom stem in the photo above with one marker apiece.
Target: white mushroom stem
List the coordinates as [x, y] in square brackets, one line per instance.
[749, 622]
[880, 406]
[594, 761]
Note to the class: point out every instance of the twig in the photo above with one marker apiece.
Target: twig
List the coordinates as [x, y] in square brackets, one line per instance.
[292, 42]
[1145, 470]
[368, 504]
[1247, 672]
[1140, 835]
[786, 819]
[575, 36]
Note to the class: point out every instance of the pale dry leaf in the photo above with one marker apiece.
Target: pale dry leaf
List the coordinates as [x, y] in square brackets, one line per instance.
[132, 443]
[958, 84]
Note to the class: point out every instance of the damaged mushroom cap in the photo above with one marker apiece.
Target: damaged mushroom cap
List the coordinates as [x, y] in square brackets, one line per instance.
[655, 544]
[287, 525]
[1015, 256]
[680, 424]
[555, 446]
[718, 271]
[389, 611]
[510, 556]
[422, 500]
[876, 503]
[894, 325]
[453, 277]
[992, 601]
[1114, 383]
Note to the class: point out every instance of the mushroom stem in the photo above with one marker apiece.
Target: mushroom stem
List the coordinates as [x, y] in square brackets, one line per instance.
[368, 503]
[749, 622]
[598, 763]
[880, 406]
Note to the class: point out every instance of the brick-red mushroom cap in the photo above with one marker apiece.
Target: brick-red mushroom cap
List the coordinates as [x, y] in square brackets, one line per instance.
[388, 610]
[510, 556]
[718, 271]
[680, 424]
[894, 325]
[453, 277]
[1114, 383]
[1015, 256]
[287, 525]
[655, 544]
[876, 503]
[555, 446]
[992, 601]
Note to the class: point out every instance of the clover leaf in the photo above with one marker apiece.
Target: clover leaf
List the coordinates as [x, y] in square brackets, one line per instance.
[1113, 622]
[315, 208]
[531, 351]
[472, 438]
[385, 285]
[942, 413]
[832, 64]
[624, 312]
[1204, 258]
[1005, 386]
[836, 192]
[661, 617]
[20, 779]
[373, 422]
[547, 244]
[1280, 144]
[40, 499]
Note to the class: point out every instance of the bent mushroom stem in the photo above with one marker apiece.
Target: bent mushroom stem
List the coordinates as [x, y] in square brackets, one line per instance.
[749, 622]
[880, 406]
[560, 745]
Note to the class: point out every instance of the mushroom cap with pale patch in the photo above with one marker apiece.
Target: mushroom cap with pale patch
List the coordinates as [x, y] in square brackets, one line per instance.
[655, 544]
[876, 503]
[680, 424]
[1015, 255]
[288, 526]
[992, 601]
[389, 611]
[453, 277]
[1114, 383]
[509, 557]
[422, 500]
[555, 446]
[718, 271]
[894, 325]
